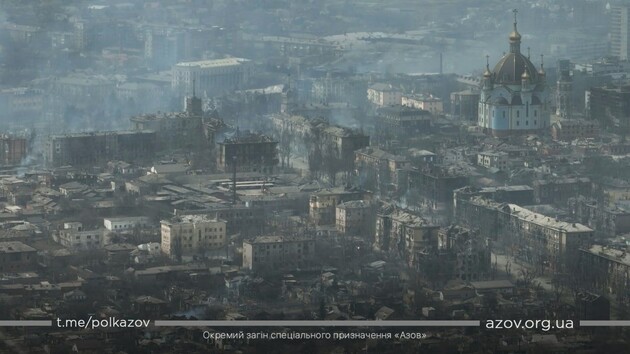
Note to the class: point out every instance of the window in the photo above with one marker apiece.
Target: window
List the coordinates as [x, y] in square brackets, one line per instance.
[518, 114]
[518, 123]
[526, 122]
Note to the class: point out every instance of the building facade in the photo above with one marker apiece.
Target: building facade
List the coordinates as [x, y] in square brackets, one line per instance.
[269, 253]
[89, 149]
[211, 76]
[190, 235]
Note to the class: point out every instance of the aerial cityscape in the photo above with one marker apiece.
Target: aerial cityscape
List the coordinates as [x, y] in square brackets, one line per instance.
[236, 176]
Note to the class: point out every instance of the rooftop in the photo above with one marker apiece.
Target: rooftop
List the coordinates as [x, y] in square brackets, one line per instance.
[613, 254]
[15, 247]
[203, 64]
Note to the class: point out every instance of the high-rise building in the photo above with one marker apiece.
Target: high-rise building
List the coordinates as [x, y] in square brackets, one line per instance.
[514, 97]
[564, 89]
[620, 31]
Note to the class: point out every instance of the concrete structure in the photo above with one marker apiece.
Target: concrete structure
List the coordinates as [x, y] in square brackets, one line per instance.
[606, 269]
[12, 150]
[405, 233]
[514, 97]
[175, 130]
[564, 89]
[465, 105]
[378, 169]
[620, 31]
[323, 204]
[355, 218]
[493, 159]
[559, 190]
[533, 238]
[75, 237]
[91, 149]
[128, 223]
[610, 105]
[383, 95]
[466, 251]
[396, 122]
[435, 185]
[190, 235]
[425, 102]
[17, 257]
[211, 76]
[568, 130]
[273, 253]
[251, 152]
[520, 195]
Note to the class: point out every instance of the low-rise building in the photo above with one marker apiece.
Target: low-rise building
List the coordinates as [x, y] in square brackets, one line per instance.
[269, 253]
[493, 159]
[17, 257]
[128, 223]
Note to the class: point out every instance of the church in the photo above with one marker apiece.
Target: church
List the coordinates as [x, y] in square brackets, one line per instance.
[514, 96]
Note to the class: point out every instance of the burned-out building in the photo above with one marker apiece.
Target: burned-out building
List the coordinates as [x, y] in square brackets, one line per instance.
[250, 152]
[13, 149]
[323, 204]
[268, 253]
[175, 130]
[378, 169]
[559, 190]
[536, 239]
[435, 185]
[520, 195]
[403, 232]
[395, 122]
[466, 251]
[90, 149]
[610, 220]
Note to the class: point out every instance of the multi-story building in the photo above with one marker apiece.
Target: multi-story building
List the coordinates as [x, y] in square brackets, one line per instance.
[465, 105]
[559, 190]
[435, 185]
[520, 195]
[175, 129]
[610, 220]
[405, 233]
[377, 168]
[610, 105]
[190, 235]
[401, 121]
[564, 89]
[323, 204]
[273, 253]
[342, 143]
[211, 77]
[493, 159]
[428, 103]
[568, 130]
[468, 252]
[620, 31]
[12, 150]
[248, 153]
[514, 95]
[536, 239]
[90, 149]
[355, 218]
[75, 237]
[606, 269]
[383, 95]
[16, 257]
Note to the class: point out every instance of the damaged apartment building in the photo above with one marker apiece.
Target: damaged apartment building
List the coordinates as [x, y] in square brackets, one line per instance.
[536, 239]
[248, 152]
